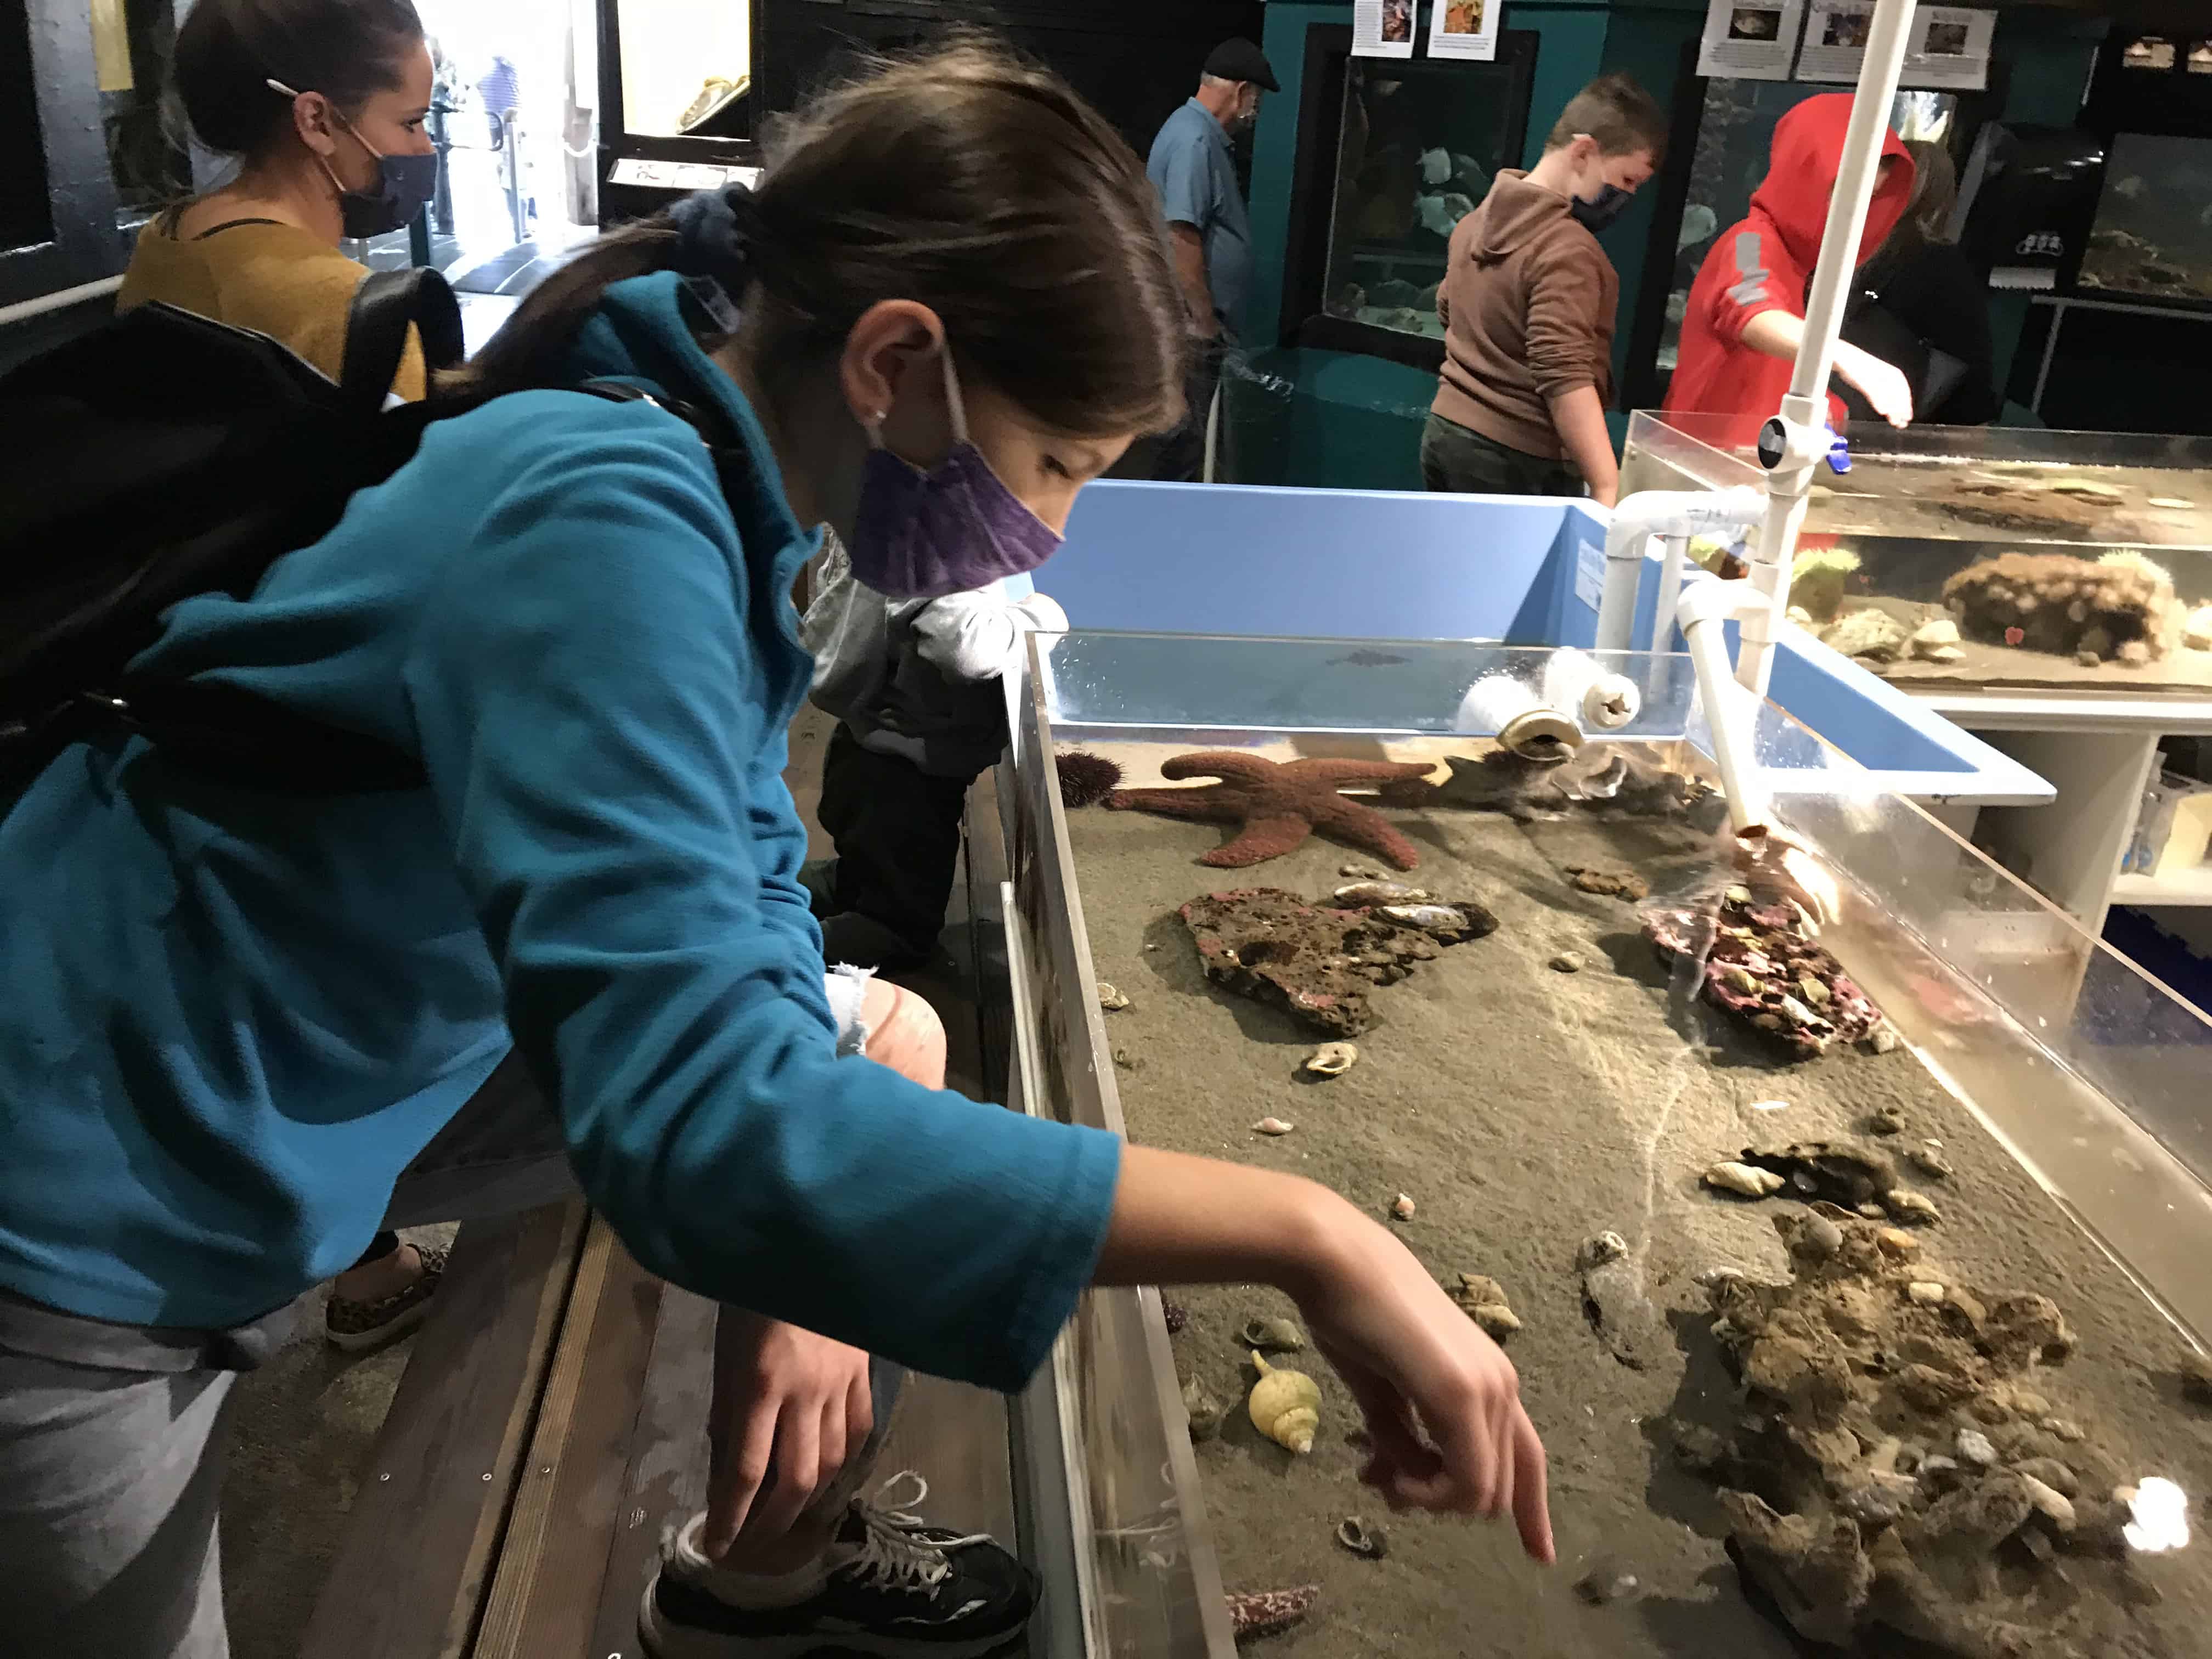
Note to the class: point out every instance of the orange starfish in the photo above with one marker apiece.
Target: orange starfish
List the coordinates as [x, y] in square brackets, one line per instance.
[1278, 805]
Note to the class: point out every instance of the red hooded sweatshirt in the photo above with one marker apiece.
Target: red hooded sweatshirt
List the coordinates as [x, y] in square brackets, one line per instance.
[1765, 263]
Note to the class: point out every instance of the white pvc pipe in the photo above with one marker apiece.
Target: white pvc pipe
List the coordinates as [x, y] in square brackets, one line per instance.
[1670, 593]
[1659, 513]
[1806, 407]
[60, 300]
[1705, 609]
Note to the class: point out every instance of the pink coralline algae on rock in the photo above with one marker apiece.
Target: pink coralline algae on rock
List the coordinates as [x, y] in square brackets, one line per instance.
[1765, 968]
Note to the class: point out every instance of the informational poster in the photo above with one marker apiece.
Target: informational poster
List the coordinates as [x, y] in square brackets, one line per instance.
[1383, 28]
[1949, 49]
[1465, 28]
[1750, 40]
[1836, 34]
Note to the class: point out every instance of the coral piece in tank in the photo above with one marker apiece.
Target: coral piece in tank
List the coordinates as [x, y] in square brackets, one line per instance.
[1817, 577]
[1263, 1613]
[1858, 1502]
[1604, 782]
[1757, 960]
[1278, 803]
[2120, 608]
[1085, 778]
[1315, 962]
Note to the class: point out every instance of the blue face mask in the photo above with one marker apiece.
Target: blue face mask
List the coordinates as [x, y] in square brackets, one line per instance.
[404, 184]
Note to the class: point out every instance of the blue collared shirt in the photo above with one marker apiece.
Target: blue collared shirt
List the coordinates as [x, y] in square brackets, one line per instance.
[1191, 168]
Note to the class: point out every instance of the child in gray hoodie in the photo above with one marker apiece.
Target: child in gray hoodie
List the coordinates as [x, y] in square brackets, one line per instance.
[921, 715]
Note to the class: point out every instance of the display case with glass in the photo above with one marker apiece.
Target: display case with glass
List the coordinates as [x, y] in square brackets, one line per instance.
[676, 101]
[1393, 153]
[2152, 238]
[1978, 556]
[1834, 1204]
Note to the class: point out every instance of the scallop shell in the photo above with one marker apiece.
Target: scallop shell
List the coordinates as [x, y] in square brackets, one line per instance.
[1285, 1405]
[1332, 1059]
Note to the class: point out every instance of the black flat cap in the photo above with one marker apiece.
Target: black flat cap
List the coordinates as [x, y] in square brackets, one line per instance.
[1238, 59]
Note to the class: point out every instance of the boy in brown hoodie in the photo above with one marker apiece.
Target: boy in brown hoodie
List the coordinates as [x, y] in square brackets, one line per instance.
[1527, 300]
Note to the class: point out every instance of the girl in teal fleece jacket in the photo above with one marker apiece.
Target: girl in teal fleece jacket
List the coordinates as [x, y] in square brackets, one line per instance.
[236, 1022]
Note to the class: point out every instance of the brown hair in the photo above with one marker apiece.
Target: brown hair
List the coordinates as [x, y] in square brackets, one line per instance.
[228, 50]
[1619, 114]
[1934, 191]
[965, 178]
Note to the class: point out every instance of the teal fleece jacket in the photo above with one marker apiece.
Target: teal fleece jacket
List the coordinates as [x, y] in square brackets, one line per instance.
[232, 1018]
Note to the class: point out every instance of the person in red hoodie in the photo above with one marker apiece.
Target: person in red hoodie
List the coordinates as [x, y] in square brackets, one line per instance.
[1746, 312]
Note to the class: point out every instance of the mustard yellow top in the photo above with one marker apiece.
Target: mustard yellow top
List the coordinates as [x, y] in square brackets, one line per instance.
[274, 278]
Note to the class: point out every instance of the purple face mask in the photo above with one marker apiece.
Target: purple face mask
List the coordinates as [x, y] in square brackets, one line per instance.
[955, 527]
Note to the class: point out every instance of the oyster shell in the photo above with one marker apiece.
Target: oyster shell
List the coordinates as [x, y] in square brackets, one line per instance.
[1332, 1059]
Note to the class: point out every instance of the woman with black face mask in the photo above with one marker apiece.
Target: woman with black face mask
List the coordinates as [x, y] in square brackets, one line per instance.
[322, 103]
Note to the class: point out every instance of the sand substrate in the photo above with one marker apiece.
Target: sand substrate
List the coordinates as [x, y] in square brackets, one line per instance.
[1523, 1111]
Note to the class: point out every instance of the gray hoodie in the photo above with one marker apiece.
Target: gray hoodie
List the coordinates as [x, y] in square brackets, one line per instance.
[919, 678]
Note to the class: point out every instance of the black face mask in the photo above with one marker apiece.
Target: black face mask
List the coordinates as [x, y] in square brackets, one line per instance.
[1602, 209]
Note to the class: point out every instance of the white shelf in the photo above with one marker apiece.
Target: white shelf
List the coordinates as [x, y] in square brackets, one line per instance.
[2180, 887]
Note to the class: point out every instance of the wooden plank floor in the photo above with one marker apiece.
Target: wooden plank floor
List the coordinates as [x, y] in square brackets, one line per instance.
[422, 1539]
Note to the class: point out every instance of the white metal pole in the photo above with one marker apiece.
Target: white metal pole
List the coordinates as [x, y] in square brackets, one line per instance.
[1804, 409]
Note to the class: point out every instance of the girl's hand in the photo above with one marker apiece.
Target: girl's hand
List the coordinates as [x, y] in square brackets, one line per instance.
[1882, 385]
[788, 1408]
[1442, 1402]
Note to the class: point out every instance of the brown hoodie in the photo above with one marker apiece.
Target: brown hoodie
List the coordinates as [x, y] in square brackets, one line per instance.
[1527, 302]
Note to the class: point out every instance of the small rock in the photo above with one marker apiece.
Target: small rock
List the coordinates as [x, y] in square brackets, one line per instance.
[2051, 1504]
[1596, 1251]
[1272, 1125]
[1568, 961]
[1699, 1448]
[1889, 1120]
[1933, 636]
[1124, 1059]
[1747, 1179]
[1930, 1163]
[1974, 1447]
[1895, 1240]
[2135, 654]
[1875, 635]
[1925, 1292]
[1818, 1239]
[1482, 1300]
[1402, 1207]
[1111, 1000]
[1359, 873]
[1937, 1470]
[1873, 1212]
[1911, 1207]
[2052, 1473]
[2196, 1379]
[1202, 1409]
[2088, 658]
[1874, 1504]
[1361, 1540]
[1947, 653]
[1175, 1316]
[1332, 1059]
[1606, 1581]
[2196, 631]
[1880, 1040]
[2063, 1428]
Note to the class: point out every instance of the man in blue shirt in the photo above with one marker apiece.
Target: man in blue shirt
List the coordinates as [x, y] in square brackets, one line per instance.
[1195, 173]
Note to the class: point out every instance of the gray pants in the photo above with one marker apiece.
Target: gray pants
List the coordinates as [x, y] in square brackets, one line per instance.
[111, 1466]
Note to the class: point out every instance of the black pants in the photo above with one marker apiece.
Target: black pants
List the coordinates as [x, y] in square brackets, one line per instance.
[1456, 460]
[1179, 456]
[897, 832]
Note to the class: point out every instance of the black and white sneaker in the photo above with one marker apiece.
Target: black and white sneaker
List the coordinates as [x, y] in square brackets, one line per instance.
[897, 1587]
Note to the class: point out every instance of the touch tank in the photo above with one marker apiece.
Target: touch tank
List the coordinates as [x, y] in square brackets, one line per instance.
[1976, 556]
[1838, 1206]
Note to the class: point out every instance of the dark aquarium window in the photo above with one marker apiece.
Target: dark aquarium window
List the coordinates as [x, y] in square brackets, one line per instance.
[2153, 234]
[1392, 155]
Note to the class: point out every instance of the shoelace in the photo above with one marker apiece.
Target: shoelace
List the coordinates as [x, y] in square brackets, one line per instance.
[892, 1553]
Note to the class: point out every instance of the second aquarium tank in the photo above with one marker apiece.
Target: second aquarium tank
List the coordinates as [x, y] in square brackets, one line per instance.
[1986, 556]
